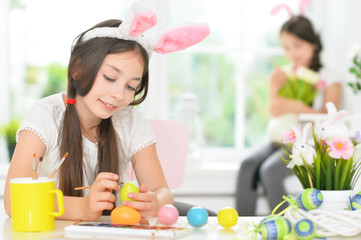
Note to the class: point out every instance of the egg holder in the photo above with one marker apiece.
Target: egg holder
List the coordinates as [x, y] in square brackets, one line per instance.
[344, 223]
[276, 226]
[329, 223]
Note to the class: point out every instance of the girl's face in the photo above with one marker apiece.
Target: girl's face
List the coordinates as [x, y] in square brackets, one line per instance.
[115, 84]
[298, 51]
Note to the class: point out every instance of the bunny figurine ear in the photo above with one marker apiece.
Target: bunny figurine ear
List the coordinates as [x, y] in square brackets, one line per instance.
[332, 114]
[331, 109]
[181, 37]
[278, 7]
[305, 131]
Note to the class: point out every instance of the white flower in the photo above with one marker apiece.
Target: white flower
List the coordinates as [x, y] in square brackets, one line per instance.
[355, 49]
[307, 75]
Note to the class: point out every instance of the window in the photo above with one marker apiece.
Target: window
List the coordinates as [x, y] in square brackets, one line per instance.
[218, 86]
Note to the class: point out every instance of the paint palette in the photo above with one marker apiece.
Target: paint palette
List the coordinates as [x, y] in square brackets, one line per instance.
[92, 229]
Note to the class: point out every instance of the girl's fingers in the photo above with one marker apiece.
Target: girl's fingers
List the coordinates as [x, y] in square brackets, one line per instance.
[105, 197]
[142, 197]
[143, 188]
[140, 206]
[105, 184]
[100, 206]
[107, 175]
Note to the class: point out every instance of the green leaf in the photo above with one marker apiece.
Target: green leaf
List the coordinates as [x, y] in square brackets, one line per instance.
[345, 173]
[352, 70]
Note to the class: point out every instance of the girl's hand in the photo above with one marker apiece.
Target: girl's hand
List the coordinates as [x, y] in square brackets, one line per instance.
[146, 202]
[100, 196]
[277, 80]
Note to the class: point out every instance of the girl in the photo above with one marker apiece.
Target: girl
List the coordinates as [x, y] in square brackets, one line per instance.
[302, 47]
[96, 123]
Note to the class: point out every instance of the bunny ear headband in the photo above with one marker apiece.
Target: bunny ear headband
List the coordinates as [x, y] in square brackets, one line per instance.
[302, 7]
[140, 19]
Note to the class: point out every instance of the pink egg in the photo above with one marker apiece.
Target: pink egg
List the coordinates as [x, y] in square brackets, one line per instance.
[168, 215]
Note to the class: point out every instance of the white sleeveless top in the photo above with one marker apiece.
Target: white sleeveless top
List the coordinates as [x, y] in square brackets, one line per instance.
[45, 118]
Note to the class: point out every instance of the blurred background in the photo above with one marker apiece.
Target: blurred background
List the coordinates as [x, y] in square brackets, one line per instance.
[218, 87]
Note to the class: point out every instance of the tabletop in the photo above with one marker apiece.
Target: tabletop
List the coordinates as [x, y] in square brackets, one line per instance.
[212, 230]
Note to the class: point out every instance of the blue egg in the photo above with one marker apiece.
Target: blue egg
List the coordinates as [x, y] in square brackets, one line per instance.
[305, 229]
[356, 201]
[274, 227]
[310, 198]
[197, 216]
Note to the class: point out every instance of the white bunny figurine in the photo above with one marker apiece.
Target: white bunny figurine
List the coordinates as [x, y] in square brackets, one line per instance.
[332, 126]
[301, 150]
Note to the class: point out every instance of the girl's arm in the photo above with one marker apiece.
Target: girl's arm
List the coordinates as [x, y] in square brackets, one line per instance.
[85, 208]
[279, 105]
[154, 190]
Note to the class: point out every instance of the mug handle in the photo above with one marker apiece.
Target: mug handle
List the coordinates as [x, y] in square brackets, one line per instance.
[59, 196]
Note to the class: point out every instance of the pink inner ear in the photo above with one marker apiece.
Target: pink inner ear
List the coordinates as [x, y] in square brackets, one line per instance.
[277, 8]
[341, 114]
[142, 22]
[180, 38]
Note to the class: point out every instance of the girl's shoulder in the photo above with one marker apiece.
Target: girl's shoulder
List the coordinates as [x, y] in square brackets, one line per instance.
[44, 118]
[53, 105]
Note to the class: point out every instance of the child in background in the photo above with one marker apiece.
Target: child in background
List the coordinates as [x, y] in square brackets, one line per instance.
[96, 123]
[302, 48]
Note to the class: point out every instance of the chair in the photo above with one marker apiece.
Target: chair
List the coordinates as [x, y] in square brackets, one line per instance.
[172, 149]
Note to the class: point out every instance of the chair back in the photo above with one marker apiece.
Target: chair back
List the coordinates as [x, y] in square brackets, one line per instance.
[172, 149]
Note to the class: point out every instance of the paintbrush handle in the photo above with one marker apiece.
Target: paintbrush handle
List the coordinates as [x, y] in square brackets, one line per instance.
[58, 166]
[87, 187]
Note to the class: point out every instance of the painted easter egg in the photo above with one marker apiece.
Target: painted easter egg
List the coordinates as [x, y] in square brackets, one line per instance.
[227, 217]
[356, 201]
[168, 215]
[310, 198]
[274, 227]
[126, 189]
[305, 229]
[197, 216]
[125, 215]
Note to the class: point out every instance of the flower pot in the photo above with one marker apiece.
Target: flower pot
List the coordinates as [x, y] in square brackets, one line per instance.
[335, 200]
[277, 126]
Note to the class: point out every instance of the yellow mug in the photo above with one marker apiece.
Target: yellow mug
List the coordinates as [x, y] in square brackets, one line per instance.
[33, 204]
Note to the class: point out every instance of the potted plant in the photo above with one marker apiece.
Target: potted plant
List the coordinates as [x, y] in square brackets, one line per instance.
[9, 131]
[329, 161]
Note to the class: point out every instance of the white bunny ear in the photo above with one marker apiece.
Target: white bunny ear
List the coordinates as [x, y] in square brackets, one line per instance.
[303, 5]
[181, 37]
[331, 109]
[305, 131]
[138, 20]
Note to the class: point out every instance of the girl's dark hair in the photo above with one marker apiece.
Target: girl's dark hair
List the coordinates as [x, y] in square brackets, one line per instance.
[85, 61]
[301, 27]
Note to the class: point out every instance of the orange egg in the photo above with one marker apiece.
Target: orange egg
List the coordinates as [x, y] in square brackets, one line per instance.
[125, 215]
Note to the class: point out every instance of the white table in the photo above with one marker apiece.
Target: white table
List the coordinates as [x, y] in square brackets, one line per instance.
[210, 231]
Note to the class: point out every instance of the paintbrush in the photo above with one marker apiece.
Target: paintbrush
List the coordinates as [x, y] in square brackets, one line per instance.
[34, 166]
[59, 164]
[87, 187]
[39, 166]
